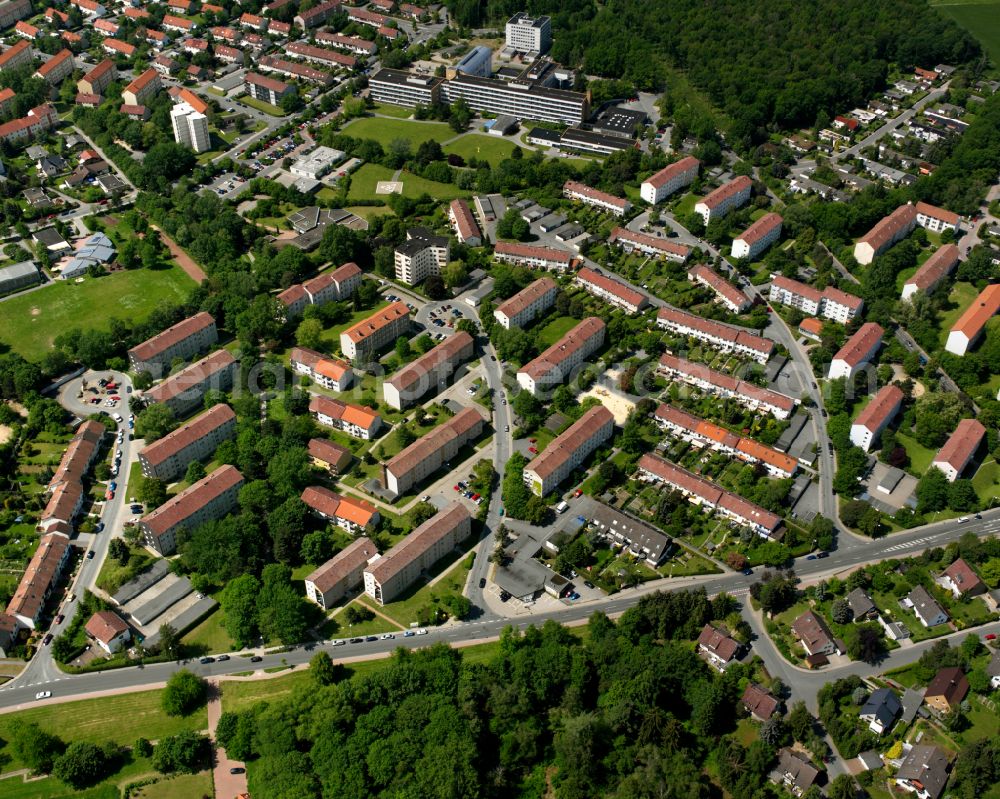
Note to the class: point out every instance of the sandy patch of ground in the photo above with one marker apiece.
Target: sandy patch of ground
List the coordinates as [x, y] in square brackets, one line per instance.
[898, 374]
[619, 405]
[5, 433]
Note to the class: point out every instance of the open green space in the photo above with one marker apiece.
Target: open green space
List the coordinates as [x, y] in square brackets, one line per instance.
[110, 788]
[209, 637]
[404, 610]
[386, 131]
[414, 186]
[394, 111]
[183, 786]
[555, 330]
[920, 456]
[31, 322]
[986, 481]
[241, 695]
[981, 19]
[338, 627]
[260, 105]
[365, 179]
[482, 148]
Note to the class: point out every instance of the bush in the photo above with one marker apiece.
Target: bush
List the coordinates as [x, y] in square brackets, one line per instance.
[185, 693]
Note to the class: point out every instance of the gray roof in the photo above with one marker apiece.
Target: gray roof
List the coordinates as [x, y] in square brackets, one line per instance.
[993, 668]
[871, 760]
[861, 604]
[50, 236]
[928, 765]
[16, 271]
[882, 706]
[136, 586]
[912, 700]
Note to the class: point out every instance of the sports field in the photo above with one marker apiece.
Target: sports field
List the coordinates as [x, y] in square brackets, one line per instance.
[982, 20]
[385, 131]
[29, 323]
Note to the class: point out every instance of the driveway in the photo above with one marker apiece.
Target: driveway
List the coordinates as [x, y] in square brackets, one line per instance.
[227, 784]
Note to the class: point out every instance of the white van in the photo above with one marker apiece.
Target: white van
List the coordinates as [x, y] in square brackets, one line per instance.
[562, 507]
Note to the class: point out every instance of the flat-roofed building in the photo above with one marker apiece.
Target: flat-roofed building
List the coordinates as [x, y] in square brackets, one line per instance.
[395, 87]
[167, 458]
[671, 178]
[936, 219]
[185, 390]
[960, 448]
[934, 270]
[758, 237]
[349, 513]
[190, 128]
[724, 199]
[420, 256]
[464, 223]
[18, 276]
[388, 576]
[188, 337]
[529, 35]
[528, 303]
[611, 291]
[358, 421]
[727, 294]
[427, 454]
[886, 232]
[700, 491]
[521, 99]
[748, 394]
[328, 455]
[330, 373]
[208, 500]
[428, 372]
[328, 584]
[569, 450]
[970, 325]
[580, 192]
[830, 303]
[630, 241]
[716, 334]
[376, 332]
[857, 351]
[555, 364]
[533, 256]
[876, 416]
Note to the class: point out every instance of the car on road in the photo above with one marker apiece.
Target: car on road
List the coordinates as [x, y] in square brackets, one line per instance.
[823, 411]
[109, 494]
[118, 418]
[371, 638]
[409, 634]
[99, 527]
[59, 619]
[748, 571]
[43, 694]
[574, 596]
[47, 639]
[421, 631]
[236, 770]
[206, 660]
[357, 641]
[482, 582]
[963, 519]
[506, 428]
[588, 583]
[493, 358]
[822, 554]
[811, 556]
[222, 658]
[90, 555]
[425, 498]
[533, 450]
[387, 636]
[456, 488]
[256, 659]
[990, 636]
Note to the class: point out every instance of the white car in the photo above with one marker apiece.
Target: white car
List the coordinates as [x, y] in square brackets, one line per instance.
[43, 694]
[118, 418]
[421, 631]
[388, 636]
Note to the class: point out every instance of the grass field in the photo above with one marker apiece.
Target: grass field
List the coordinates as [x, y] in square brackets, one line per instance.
[183, 786]
[405, 610]
[555, 330]
[981, 19]
[395, 111]
[987, 481]
[31, 322]
[338, 627]
[385, 131]
[260, 105]
[366, 179]
[920, 456]
[209, 637]
[489, 148]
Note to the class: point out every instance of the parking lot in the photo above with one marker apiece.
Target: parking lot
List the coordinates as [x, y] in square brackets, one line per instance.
[228, 185]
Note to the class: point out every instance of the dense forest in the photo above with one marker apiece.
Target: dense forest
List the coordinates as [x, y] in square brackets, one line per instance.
[762, 62]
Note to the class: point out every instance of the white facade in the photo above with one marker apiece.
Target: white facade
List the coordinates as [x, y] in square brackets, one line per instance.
[190, 128]
[724, 199]
[527, 35]
[419, 257]
[676, 176]
[527, 304]
[758, 237]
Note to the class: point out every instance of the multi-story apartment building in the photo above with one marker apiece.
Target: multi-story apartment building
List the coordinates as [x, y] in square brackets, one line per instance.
[935, 269]
[16, 55]
[57, 68]
[317, 15]
[429, 372]
[293, 69]
[758, 237]
[886, 232]
[185, 390]
[960, 448]
[167, 458]
[533, 256]
[321, 55]
[116, 47]
[420, 256]
[724, 199]
[531, 36]
[936, 219]
[39, 579]
[142, 88]
[192, 335]
[330, 373]
[830, 303]
[876, 416]
[328, 455]
[858, 350]
[335, 286]
[554, 365]
[700, 491]
[426, 455]
[727, 294]
[376, 332]
[970, 325]
[568, 451]
[748, 394]
[209, 499]
[359, 421]
[521, 99]
[580, 192]
[464, 223]
[38, 120]
[396, 87]
[330, 582]
[354, 44]
[388, 576]
[13, 10]
[631, 241]
[349, 513]
[705, 434]
[98, 79]
[716, 334]
[671, 178]
[611, 291]
[528, 303]
[190, 128]
[267, 89]
[66, 494]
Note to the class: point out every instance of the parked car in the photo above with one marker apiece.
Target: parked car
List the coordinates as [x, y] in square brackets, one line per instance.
[409, 634]
[222, 658]
[90, 554]
[59, 619]
[357, 640]
[43, 694]
[236, 770]
[421, 631]
[482, 582]
[206, 660]
[256, 659]
[47, 639]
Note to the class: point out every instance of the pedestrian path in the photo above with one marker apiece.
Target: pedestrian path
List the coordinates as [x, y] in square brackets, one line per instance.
[226, 783]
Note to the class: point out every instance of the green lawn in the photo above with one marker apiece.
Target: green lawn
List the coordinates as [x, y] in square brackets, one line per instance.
[339, 628]
[414, 186]
[482, 148]
[385, 131]
[209, 637]
[31, 322]
[260, 105]
[395, 111]
[981, 19]
[365, 179]
[183, 786]
[241, 695]
[987, 481]
[555, 330]
[961, 297]
[405, 610]
[920, 456]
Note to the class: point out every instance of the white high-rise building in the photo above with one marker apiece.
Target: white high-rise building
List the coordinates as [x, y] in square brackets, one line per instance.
[528, 35]
[190, 128]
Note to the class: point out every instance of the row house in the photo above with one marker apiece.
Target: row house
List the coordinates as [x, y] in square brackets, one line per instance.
[611, 291]
[321, 54]
[748, 394]
[857, 351]
[226, 34]
[830, 303]
[378, 331]
[758, 237]
[329, 456]
[106, 27]
[431, 451]
[230, 55]
[254, 21]
[116, 47]
[39, 580]
[568, 451]
[195, 46]
[369, 18]
[618, 206]
[933, 271]
[732, 298]
[557, 362]
[700, 491]
[428, 372]
[358, 421]
[528, 303]
[293, 69]
[90, 8]
[348, 513]
[328, 584]
[630, 241]
[724, 199]
[332, 374]
[533, 256]
[168, 458]
[670, 179]
[936, 219]
[26, 31]
[189, 337]
[354, 44]
[716, 334]
[316, 15]
[876, 416]
[178, 24]
[185, 390]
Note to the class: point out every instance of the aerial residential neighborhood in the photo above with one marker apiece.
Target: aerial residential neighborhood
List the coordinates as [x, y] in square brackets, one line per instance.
[462, 400]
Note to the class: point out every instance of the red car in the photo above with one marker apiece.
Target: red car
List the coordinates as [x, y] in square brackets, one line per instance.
[990, 636]
[109, 494]
[475, 497]
[533, 450]
[456, 488]
[115, 397]
[578, 492]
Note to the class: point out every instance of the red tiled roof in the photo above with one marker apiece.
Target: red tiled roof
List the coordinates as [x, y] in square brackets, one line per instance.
[448, 351]
[351, 558]
[532, 251]
[882, 407]
[760, 228]
[668, 173]
[56, 60]
[185, 435]
[961, 444]
[575, 187]
[565, 445]
[963, 576]
[171, 336]
[268, 83]
[180, 507]
[720, 285]
[718, 643]
[727, 382]
[464, 220]
[526, 296]
[104, 626]
[456, 427]
[418, 542]
[564, 348]
[644, 239]
[926, 209]
[710, 327]
[856, 349]
[322, 500]
[193, 375]
[726, 190]
[327, 451]
[366, 327]
[888, 228]
[935, 268]
[624, 293]
[983, 308]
